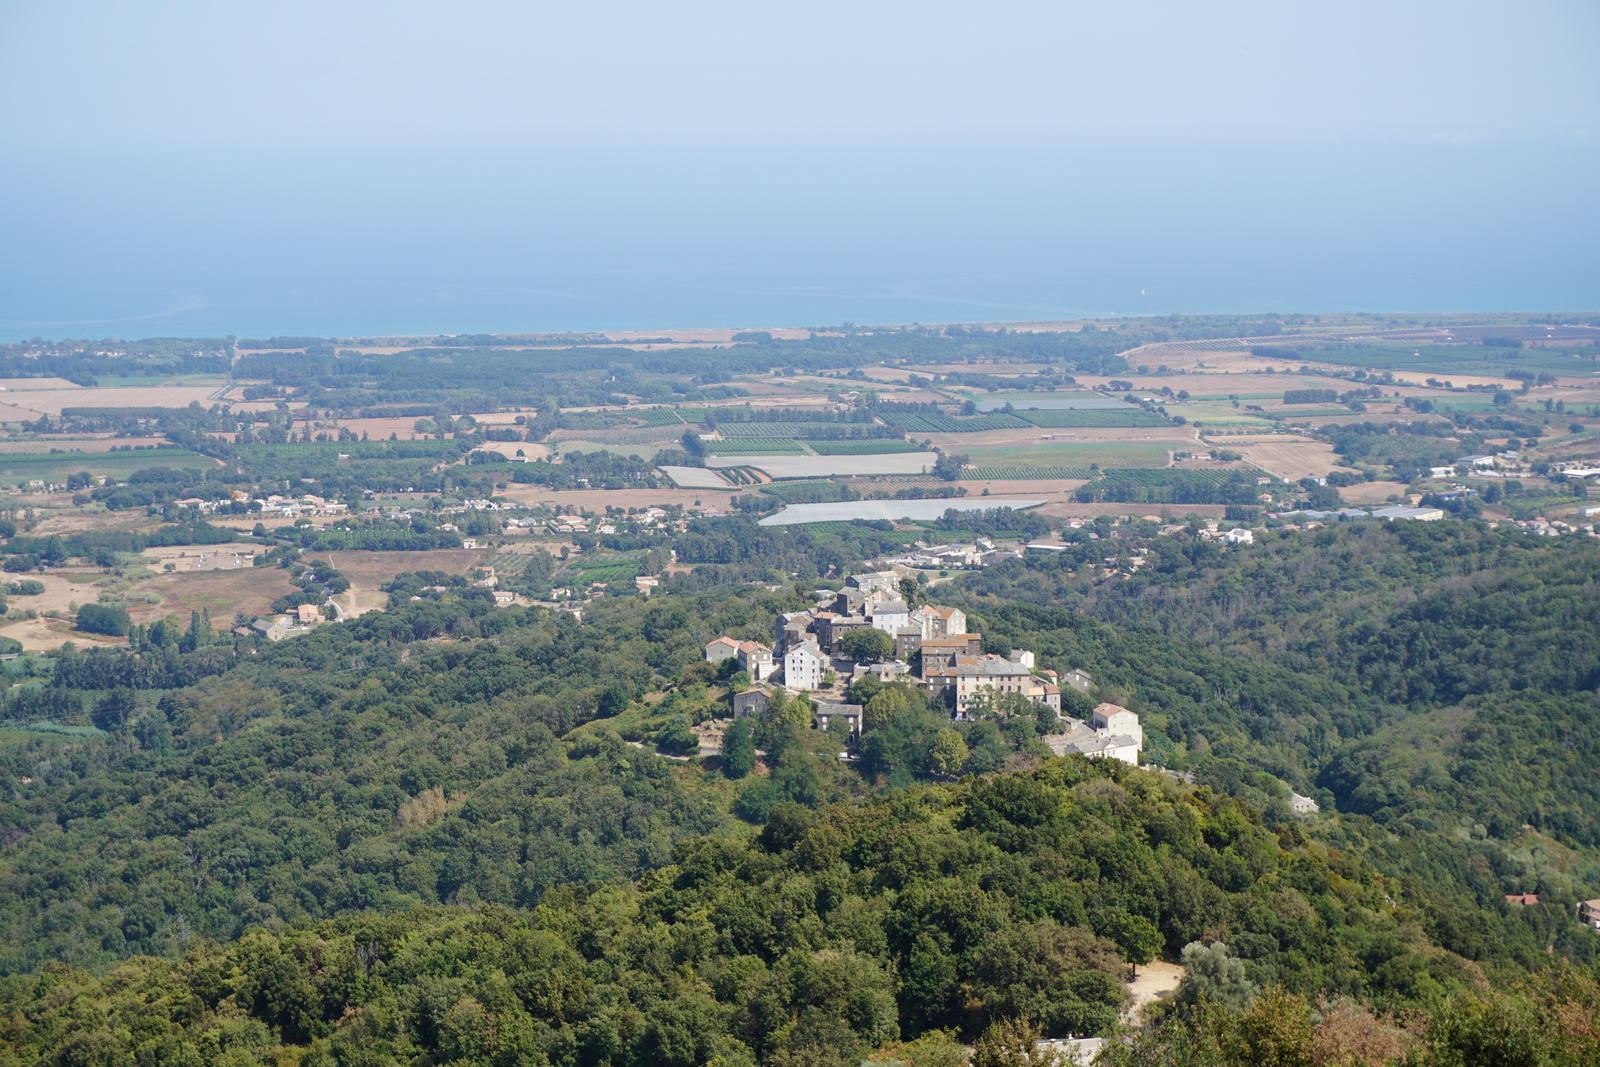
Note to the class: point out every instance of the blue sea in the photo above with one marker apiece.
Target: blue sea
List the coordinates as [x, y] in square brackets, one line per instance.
[367, 242]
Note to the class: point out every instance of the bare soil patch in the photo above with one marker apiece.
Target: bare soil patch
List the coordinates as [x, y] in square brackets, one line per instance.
[51, 401]
[1153, 980]
[223, 593]
[1290, 459]
[1371, 492]
[14, 385]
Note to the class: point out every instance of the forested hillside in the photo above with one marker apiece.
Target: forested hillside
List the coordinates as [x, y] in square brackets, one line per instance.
[825, 936]
[443, 829]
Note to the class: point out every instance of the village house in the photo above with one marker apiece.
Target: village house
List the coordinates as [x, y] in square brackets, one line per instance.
[756, 660]
[803, 666]
[1112, 732]
[941, 652]
[1079, 680]
[849, 714]
[750, 702]
[888, 615]
[720, 648]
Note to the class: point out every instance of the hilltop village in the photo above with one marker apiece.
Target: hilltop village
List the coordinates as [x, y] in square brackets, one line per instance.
[868, 630]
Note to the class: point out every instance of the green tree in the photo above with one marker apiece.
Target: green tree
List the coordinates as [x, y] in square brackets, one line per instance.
[738, 749]
[867, 643]
[888, 705]
[949, 753]
[1138, 939]
[1212, 973]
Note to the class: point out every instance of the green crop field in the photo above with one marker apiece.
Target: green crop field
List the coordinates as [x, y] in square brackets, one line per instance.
[918, 423]
[1125, 416]
[756, 447]
[1147, 476]
[18, 468]
[1444, 360]
[661, 417]
[773, 429]
[972, 474]
[883, 447]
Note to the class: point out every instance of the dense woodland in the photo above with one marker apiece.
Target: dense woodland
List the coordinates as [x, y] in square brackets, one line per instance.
[300, 834]
[451, 832]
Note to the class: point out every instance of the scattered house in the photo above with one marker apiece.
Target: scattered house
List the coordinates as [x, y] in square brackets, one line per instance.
[1079, 680]
[756, 659]
[803, 666]
[308, 614]
[720, 649]
[1111, 733]
[1240, 536]
[849, 713]
[750, 702]
[504, 598]
[1302, 805]
[645, 583]
[271, 629]
[1589, 913]
[468, 542]
[1525, 899]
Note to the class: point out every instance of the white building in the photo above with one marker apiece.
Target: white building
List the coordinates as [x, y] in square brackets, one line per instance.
[888, 615]
[1112, 732]
[803, 666]
[1240, 536]
[1114, 719]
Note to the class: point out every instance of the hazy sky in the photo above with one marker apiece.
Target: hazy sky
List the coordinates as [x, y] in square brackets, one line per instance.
[357, 167]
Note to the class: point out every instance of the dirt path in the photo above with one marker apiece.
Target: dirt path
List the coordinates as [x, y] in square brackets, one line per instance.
[1154, 979]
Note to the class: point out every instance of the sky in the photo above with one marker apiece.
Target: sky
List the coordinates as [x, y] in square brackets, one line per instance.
[360, 168]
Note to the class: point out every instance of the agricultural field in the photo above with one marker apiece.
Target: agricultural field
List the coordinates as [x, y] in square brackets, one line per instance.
[1080, 400]
[224, 593]
[694, 478]
[20, 468]
[881, 447]
[1123, 416]
[986, 474]
[661, 417]
[1453, 360]
[757, 430]
[756, 447]
[1289, 458]
[52, 401]
[919, 423]
[825, 466]
[1074, 455]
